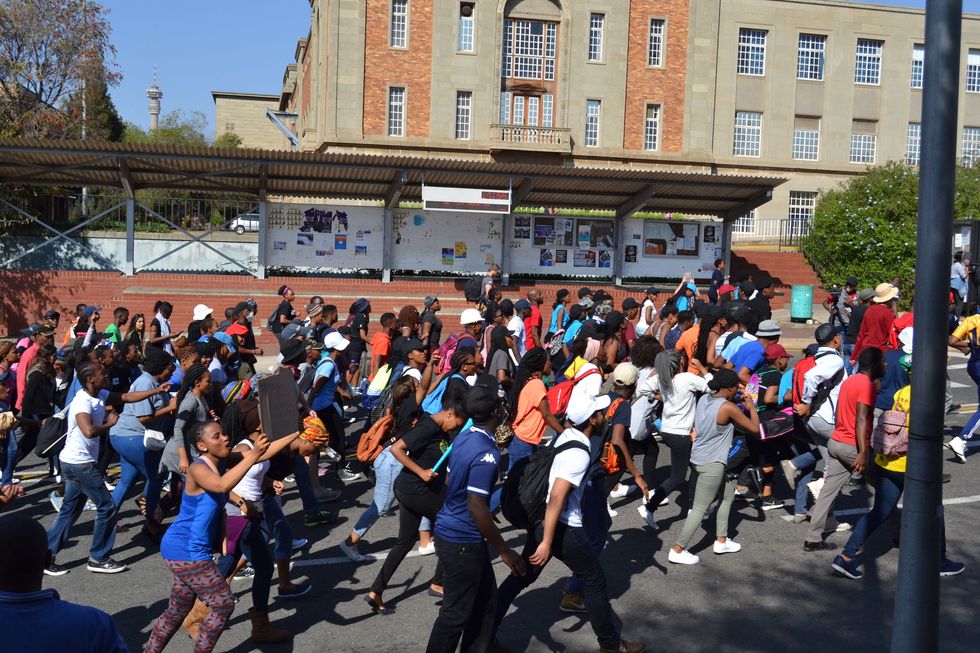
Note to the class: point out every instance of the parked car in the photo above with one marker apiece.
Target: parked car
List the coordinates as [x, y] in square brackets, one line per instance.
[245, 222]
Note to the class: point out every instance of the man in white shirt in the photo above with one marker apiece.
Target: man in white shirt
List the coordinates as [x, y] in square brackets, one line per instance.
[516, 325]
[561, 533]
[829, 363]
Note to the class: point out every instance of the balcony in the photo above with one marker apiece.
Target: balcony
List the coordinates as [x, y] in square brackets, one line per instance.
[531, 139]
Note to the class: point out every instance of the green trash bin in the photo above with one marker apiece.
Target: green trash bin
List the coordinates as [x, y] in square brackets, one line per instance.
[801, 304]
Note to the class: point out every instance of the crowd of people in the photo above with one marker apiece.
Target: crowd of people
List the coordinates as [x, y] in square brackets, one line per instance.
[466, 425]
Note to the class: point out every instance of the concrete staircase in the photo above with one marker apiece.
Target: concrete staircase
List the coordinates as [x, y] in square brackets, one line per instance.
[786, 268]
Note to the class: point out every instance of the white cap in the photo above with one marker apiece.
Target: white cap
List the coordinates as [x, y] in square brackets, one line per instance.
[905, 337]
[201, 311]
[335, 341]
[470, 316]
[580, 411]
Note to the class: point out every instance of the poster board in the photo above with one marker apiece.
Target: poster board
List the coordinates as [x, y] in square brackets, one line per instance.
[278, 404]
[562, 244]
[334, 236]
[445, 241]
[664, 249]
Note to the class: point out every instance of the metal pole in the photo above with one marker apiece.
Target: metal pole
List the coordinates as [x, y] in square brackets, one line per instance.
[263, 237]
[619, 251]
[387, 250]
[130, 265]
[916, 621]
[505, 250]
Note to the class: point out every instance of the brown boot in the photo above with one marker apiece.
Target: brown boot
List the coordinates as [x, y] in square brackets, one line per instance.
[263, 632]
[192, 622]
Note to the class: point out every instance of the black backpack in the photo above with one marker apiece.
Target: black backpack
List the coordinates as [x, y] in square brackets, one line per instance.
[473, 290]
[273, 323]
[525, 493]
[824, 388]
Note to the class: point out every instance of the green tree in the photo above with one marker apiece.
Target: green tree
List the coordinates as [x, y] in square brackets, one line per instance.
[176, 128]
[102, 120]
[229, 140]
[866, 227]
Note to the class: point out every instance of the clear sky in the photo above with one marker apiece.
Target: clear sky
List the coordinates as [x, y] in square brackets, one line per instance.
[230, 45]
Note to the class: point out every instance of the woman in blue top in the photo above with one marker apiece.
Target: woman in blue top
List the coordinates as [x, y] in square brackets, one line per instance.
[559, 311]
[188, 545]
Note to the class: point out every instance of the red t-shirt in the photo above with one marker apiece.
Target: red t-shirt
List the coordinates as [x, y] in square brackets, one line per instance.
[530, 323]
[856, 389]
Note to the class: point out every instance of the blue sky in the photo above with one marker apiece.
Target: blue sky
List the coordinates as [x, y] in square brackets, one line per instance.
[228, 45]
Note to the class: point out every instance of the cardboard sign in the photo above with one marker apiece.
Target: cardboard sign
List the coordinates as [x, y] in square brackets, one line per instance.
[278, 407]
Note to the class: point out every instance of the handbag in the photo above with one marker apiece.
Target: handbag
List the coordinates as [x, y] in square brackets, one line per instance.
[154, 440]
[777, 426]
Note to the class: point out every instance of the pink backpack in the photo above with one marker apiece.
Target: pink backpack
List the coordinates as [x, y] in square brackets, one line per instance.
[891, 434]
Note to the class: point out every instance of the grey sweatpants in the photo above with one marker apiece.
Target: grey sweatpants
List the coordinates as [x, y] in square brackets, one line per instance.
[837, 471]
[711, 478]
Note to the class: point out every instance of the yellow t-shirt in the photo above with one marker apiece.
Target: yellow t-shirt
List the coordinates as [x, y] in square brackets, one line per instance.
[903, 402]
[969, 330]
[572, 371]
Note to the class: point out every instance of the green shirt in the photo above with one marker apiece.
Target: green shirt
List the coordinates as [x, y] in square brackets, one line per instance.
[112, 332]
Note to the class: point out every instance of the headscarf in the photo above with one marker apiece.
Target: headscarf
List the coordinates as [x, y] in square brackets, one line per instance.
[592, 347]
[314, 431]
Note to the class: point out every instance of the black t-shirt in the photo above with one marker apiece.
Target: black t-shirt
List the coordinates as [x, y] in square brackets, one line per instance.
[248, 341]
[768, 376]
[435, 331]
[285, 308]
[426, 443]
[854, 326]
[358, 324]
[408, 413]
[760, 306]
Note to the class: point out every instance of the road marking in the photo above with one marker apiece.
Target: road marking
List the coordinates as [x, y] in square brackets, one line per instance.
[958, 366]
[339, 560]
[860, 511]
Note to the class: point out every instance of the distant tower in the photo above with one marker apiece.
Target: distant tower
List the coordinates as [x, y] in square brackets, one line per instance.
[154, 94]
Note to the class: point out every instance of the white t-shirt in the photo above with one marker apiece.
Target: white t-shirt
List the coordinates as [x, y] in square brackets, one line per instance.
[642, 325]
[79, 449]
[588, 387]
[516, 328]
[640, 408]
[572, 466]
[679, 405]
[218, 376]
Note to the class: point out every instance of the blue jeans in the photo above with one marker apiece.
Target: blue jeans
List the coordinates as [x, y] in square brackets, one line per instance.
[8, 456]
[386, 470]
[847, 350]
[136, 460]
[888, 490]
[517, 450]
[597, 522]
[301, 472]
[84, 480]
[805, 463]
[277, 525]
[253, 543]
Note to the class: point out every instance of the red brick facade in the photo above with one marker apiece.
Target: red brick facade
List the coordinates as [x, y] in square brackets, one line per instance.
[385, 66]
[663, 86]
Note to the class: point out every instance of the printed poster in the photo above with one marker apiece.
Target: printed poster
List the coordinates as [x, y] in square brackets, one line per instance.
[584, 236]
[561, 256]
[460, 249]
[630, 253]
[522, 227]
[605, 258]
[547, 258]
[448, 255]
[360, 250]
[340, 242]
[304, 239]
[584, 258]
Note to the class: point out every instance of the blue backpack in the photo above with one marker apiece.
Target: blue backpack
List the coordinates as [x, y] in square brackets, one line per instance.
[432, 403]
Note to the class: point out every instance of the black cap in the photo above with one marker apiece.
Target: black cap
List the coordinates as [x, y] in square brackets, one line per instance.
[630, 303]
[575, 312]
[413, 344]
[292, 349]
[763, 282]
[651, 291]
[52, 315]
[811, 349]
[241, 307]
[852, 282]
[824, 334]
[584, 292]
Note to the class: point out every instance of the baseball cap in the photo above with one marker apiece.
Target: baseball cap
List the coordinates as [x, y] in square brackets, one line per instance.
[630, 303]
[429, 301]
[89, 311]
[226, 339]
[201, 311]
[52, 315]
[335, 341]
[651, 290]
[852, 282]
[241, 307]
[580, 411]
[768, 329]
[413, 344]
[470, 316]
[726, 288]
[44, 330]
[522, 304]
[866, 294]
[775, 351]
[824, 334]
[624, 375]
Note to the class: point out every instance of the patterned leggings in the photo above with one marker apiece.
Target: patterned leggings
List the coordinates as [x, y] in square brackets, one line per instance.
[203, 580]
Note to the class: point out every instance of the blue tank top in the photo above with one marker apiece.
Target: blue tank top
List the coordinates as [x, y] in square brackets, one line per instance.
[558, 310]
[193, 534]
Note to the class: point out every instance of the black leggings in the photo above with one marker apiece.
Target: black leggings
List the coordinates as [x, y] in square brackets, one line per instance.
[412, 507]
[680, 458]
[650, 450]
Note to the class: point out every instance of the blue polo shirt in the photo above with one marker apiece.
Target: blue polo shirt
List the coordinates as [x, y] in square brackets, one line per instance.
[472, 469]
[41, 621]
[750, 355]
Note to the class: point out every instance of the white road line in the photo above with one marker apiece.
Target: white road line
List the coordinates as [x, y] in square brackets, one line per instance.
[954, 384]
[339, 560]
[860, 511]
[958, 366]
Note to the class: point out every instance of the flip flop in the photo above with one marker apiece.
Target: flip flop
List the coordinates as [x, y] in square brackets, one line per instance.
[376, 607]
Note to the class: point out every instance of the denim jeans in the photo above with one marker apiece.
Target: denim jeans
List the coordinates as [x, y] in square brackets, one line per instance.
[84, 480]
[571, 546]
[386, 470]
[518, 450]
[277, 525]
[469, 599]
[301, 472]
[806, 464]
[8, 456]
[888, 490]
[847, 350]
[597, 522]
[136, 460]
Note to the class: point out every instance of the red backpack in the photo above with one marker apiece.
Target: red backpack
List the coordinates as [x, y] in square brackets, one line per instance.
[561, 393]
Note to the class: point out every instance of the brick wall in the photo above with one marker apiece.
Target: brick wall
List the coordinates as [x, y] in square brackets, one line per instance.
[385, 66]
[664, 86]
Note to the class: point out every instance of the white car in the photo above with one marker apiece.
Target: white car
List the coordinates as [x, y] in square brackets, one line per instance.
[245, 222]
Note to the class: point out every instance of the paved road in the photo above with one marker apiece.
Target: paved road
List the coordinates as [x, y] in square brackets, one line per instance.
[769, 597]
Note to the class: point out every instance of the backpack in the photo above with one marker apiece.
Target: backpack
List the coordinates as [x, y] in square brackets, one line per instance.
[525, 493]
[446, 351]
[609, 457]
[432, 403]
[824, 389]
[52, 435]
[473, 290]
[272, 322]
[375, 439]
[560, 394]
[890, 436]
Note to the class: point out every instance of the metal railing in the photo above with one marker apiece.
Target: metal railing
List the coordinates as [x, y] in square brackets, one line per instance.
[792, 231]
[758, 229]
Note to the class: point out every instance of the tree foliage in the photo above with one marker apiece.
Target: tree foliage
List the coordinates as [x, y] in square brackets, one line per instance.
[49, 49]
[175, 128]
[866, 227]
[229, 140]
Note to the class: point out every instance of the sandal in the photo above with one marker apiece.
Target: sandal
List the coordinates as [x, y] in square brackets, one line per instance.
[141, 504]
[377, 607]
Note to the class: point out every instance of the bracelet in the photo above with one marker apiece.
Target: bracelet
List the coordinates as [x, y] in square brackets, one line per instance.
[241, 502]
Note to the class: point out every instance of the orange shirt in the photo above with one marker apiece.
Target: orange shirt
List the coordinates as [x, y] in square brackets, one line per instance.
[529, 423]
[380, 346]
[687, 343]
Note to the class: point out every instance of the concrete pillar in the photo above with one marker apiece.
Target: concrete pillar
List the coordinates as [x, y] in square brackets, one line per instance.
[263, 238]
[387, 251]
[129, 268]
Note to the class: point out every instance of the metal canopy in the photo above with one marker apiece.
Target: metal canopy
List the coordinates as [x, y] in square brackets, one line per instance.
[351, 176]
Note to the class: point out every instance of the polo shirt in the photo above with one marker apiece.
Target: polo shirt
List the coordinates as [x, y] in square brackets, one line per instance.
[41, 621]
[472, 469]
[750, 355]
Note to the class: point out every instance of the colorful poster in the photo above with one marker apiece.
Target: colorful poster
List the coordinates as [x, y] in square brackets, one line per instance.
[561, 256]
[304, 239]
[340, 242]
[631, 253]
[584, 235]
[543, 232]
[547, 259]
[460, 249]
[360, 250]
[522, 227]
[584, 258]
[448, 256]
[605, 258]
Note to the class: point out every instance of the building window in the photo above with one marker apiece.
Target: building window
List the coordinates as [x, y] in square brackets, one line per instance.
[597, 24]
[973, 71]
[467, 16]
[810, 56]
[655, 51]
[464, 108]
[913, 145]
[971, 145]
[399, 24]
[651, 128]
[505, 108]
[863, 148]
[593, 111]
[752, 52]
[229, 126]
[806, 144]
[529, 49]
[519, 109]
[748, 133]
[547, 110]
[801, 208]
[867, 62]
[745, 225]
[396, 111]
[918, 62]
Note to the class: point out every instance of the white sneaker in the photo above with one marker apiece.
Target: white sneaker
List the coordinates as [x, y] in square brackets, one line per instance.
[665, 501]
[728, 546]
[612, 513]
[958, 446]
[351, 552]
[814, 488]
[685, 557]
[622, 490]
[648, 516]
[428, 549]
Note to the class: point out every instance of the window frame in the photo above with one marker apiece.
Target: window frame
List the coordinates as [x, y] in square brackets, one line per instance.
[918, 143]
[810, 50]
[391, 24]
[601, 44]
[747, 129]
[856, 141]
[662, 20]
[749, 48]
[459, 28]
[920, 63]
[404, 111]
[460, 94]
[657, 130]
[973, 69]
[868, 59]
[804, 145]
[589, 102]
[965, 159]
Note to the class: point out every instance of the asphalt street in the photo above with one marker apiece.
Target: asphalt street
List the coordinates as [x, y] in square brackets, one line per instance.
[771, 596]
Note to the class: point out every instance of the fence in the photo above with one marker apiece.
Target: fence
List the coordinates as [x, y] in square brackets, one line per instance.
[783, 232]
